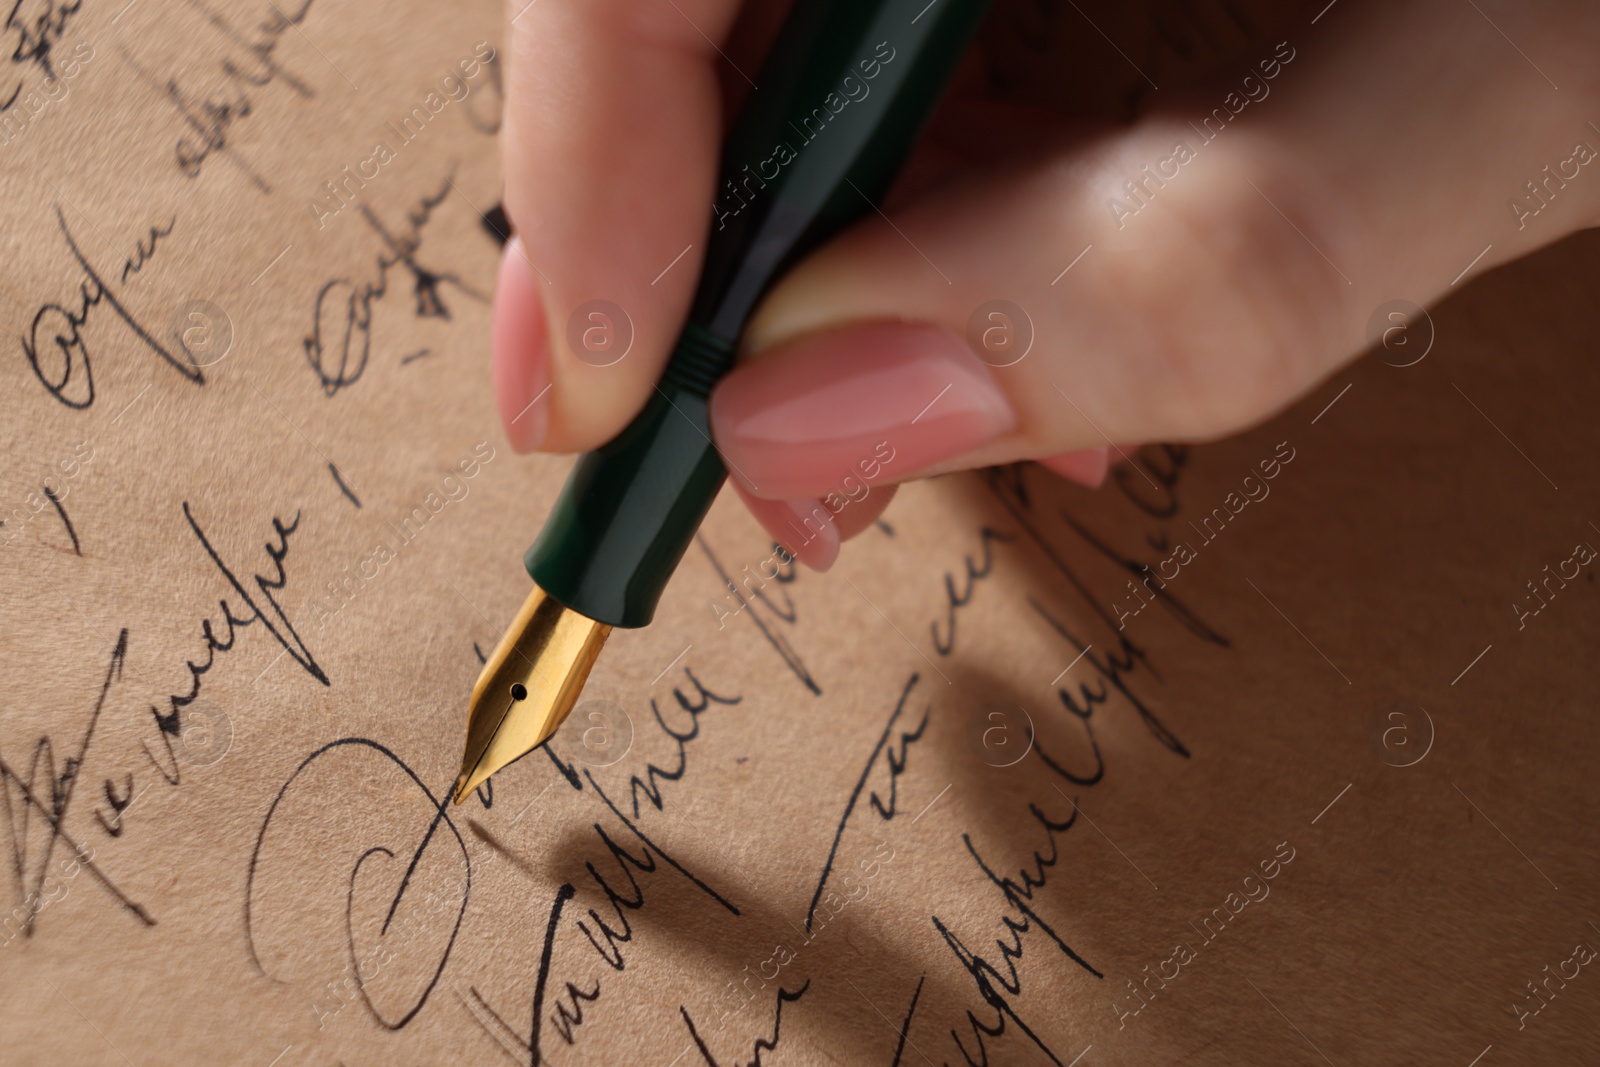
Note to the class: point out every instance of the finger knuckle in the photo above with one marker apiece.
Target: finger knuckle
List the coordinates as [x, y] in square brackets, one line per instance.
[1236, 301]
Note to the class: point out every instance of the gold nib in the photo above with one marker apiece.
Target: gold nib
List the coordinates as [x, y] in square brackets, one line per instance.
[528, 686]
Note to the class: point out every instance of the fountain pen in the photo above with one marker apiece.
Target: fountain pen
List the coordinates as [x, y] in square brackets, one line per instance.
[838, 105]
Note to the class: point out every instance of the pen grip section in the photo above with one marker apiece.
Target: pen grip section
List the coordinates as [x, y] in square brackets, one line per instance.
[630, 509]
[837, 107]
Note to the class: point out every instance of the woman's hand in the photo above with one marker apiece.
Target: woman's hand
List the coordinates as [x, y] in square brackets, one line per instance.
[1032, 290]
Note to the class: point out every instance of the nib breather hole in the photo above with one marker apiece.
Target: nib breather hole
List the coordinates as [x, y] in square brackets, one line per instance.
[519, 691]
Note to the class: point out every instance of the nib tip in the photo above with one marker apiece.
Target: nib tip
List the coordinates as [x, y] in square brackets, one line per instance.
[528, 686]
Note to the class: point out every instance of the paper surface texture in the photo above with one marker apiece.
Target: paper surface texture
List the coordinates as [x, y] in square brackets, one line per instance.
[978, 792]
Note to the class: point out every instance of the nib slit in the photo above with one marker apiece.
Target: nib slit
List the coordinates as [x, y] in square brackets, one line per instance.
[528, 686]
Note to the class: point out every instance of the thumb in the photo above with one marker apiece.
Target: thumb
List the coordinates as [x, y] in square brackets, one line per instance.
[1181, 279]
[611, 122]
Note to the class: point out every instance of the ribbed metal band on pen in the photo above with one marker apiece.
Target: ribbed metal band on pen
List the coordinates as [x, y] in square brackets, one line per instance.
[700, 359]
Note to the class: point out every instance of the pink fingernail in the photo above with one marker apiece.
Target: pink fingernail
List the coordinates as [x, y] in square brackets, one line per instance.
[1087, 466]
[855, 406]
[520, 347]
[804, 527]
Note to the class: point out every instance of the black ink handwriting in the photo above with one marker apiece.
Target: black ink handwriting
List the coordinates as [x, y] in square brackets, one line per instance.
[885, 812]
[778, 641]
[976, 572]
[369, 751]
[30, 873]
[341, 336]
[37, 30]
[60, 326]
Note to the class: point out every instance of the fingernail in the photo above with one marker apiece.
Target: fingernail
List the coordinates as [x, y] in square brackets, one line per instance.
[521, 351]
[1087, 466]
[804, 527]
[855, 406]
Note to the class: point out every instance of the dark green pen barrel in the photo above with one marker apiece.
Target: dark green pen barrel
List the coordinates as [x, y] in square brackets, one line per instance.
[631, 507]
[837, 107]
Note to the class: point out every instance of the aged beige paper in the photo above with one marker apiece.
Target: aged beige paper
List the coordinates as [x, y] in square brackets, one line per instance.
[1278, 750]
